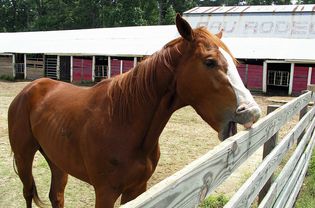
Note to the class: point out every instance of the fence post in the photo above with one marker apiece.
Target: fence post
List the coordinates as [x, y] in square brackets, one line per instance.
[302, 113]
[268, 147]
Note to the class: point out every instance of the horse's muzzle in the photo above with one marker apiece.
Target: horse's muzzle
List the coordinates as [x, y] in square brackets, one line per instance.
[245, 114]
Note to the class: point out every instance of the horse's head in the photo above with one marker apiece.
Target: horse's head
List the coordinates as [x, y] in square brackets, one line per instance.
[207, 79]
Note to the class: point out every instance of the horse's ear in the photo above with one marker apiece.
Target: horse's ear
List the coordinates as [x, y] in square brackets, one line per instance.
[184, 28]
[220, 34]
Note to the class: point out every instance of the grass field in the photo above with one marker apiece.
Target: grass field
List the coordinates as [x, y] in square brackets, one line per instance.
[185, 138]
[306, 198]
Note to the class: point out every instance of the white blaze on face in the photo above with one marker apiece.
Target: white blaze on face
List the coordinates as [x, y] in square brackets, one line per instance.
[242, 93]
[243, 96]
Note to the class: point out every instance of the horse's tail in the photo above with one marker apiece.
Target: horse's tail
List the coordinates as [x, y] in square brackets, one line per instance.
[35, 196]
[14, 164]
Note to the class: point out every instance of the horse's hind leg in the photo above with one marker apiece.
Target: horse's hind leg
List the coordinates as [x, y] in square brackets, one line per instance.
[24, 163]
[59, 180]
[24, 147]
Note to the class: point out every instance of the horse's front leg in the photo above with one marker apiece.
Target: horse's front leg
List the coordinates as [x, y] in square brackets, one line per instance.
[133, 192]
[59, 180]
[105, 196]
[58, 183]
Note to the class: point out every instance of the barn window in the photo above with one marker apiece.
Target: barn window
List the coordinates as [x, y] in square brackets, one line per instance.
[278, 78]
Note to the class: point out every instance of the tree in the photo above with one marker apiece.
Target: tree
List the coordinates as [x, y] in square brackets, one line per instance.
[28, 15]
[179, 6]
[170, 15]
[52, 14]
[306, 2]
[14, 15]
[124, 13]
[151, 11]
[4, 16]
[259, 2]
[132, 13]
[282, 2]
[86, 14]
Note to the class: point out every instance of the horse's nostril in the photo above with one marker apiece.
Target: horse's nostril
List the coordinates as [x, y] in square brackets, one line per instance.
[240, 109]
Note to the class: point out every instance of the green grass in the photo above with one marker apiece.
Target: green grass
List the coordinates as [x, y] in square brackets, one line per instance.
[6, 77]
[306, 198]
[214, 201]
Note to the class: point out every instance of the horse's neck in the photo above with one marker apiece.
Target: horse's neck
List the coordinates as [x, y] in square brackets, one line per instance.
[168, 101]
[166, 107]
[156, 74]
[151, 89]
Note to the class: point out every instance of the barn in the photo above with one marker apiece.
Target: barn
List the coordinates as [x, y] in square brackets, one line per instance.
[79, 55]
[274, 45]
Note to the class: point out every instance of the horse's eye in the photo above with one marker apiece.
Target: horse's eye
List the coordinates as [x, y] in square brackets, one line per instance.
[210, 62]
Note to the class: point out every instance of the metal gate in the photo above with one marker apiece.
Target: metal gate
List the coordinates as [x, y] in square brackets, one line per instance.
[51, 67]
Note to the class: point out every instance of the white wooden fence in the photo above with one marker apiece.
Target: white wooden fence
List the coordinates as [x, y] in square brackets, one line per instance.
[189, 186]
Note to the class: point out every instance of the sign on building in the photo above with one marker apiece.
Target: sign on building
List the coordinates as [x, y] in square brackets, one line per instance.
[289, 21]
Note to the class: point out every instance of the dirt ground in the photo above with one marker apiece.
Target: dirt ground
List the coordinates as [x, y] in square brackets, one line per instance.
[185, 138]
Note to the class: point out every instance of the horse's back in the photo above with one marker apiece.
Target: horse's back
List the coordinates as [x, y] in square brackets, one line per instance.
[38, 91]
[30, 99]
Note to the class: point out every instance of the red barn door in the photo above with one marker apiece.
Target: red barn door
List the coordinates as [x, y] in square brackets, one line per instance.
[241, 68]
[120, 66]
[82, 69]
[115, 67]
[127, 65]
[254, 77]
[313, 75]
[299, 79]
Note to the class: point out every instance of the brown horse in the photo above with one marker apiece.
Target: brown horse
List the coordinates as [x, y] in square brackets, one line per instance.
[107, 135]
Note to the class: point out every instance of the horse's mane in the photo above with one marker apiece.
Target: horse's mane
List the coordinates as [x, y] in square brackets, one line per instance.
[138, 85]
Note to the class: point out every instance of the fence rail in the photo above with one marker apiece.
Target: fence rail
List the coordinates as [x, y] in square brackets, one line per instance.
[248, 192]
[189, 186]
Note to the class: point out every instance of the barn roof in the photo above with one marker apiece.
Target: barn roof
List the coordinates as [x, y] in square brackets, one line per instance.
[298, 50]
[120, 41]
[252, 9]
